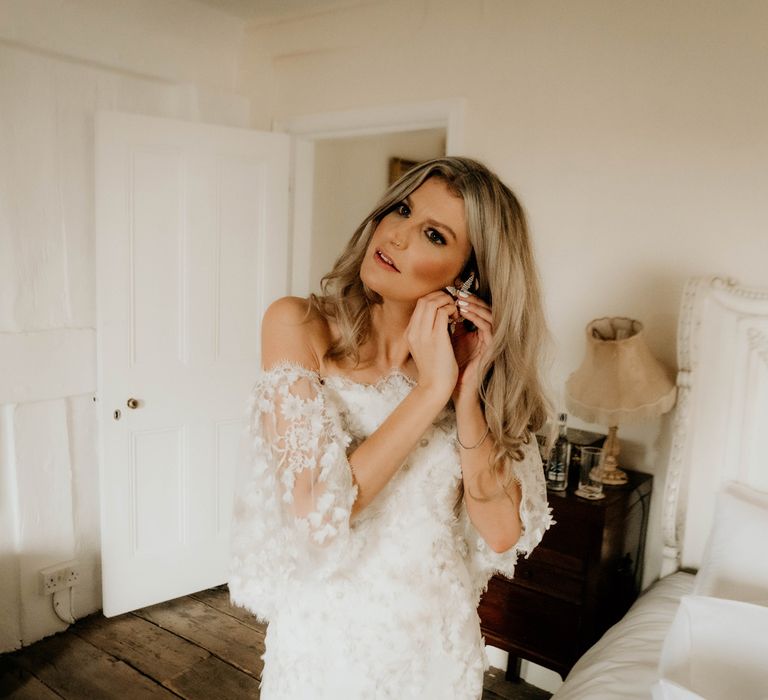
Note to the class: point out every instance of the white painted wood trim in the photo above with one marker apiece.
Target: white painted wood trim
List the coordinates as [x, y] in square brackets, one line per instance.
[740, 303]
[671, 515]
[303, 188]
[10, 574]
[448, 114]
[307, 129]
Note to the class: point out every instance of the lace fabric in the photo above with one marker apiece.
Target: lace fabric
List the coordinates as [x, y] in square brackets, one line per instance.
[397, 586]
[294, 490]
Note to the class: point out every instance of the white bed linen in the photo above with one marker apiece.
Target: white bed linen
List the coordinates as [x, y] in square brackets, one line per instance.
[718, 648]
[624, 663]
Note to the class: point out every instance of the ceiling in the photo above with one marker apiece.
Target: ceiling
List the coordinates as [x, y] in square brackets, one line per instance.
[271, 10]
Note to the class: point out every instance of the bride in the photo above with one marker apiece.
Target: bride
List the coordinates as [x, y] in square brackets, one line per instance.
[390, 467]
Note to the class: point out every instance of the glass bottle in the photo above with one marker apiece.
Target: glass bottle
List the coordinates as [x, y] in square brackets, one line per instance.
[557, 464]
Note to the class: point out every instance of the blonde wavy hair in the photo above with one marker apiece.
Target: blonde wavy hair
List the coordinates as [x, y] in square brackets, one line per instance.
[511, 391]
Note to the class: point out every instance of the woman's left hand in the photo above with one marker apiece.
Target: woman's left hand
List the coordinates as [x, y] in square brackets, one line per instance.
[471, 347]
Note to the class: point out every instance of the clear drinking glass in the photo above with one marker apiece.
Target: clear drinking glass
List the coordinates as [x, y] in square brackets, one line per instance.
[591, 474]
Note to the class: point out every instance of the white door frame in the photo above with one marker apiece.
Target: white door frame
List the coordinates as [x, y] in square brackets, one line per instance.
[307, 129]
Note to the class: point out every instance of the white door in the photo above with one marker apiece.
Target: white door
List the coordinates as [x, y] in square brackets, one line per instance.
[192, 245]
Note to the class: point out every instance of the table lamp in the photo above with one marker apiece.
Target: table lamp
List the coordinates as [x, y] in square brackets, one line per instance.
[619, 381]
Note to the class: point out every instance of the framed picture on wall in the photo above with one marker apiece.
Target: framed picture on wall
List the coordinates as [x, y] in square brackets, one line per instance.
[399, 167]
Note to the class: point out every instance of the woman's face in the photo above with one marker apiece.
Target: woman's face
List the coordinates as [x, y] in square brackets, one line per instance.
[420, 246]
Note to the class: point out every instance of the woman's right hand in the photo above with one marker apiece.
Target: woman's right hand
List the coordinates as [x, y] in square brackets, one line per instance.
[430, 343]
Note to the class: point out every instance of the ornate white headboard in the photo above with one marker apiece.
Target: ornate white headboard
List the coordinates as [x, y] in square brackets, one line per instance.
[721, 420]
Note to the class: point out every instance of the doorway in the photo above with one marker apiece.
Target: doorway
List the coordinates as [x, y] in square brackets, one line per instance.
[365, 131]
[350, 175]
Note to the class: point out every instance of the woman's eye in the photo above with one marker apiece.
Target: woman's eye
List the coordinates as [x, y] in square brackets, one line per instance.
[435, 236]
[403, 210]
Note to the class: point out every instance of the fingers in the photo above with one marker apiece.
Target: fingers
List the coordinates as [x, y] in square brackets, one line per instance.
[483, 325]
[434, 310]
[438, 298]
[430, 342]
[443, 316]
[476, 310]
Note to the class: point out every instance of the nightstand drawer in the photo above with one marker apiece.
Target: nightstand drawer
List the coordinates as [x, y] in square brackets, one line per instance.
[555, 554]
[551, 580]
[544, 629]
[569, 543]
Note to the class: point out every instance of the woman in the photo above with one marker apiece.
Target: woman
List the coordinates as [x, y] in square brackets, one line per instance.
[391, 468]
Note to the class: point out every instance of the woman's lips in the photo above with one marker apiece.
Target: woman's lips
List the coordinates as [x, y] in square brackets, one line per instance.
[382, 259]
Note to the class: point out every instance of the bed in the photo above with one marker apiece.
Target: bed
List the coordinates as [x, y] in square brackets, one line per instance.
[674, 642]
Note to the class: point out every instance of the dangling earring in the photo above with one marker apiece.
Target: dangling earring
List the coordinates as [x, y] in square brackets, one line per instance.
[469, 283]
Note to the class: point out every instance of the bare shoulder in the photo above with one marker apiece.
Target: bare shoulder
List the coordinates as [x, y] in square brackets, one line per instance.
[292, 330]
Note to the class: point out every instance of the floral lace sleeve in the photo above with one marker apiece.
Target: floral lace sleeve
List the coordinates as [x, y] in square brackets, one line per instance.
[535, 514]
[294, 490]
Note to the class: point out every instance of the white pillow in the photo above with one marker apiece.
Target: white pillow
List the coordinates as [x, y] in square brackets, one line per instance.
[735, 559]
[718, 649]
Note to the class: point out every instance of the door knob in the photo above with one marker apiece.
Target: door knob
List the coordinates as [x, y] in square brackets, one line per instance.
[133, 403]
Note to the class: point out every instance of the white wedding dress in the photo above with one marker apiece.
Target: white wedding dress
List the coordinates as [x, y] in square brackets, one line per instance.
[384, 605]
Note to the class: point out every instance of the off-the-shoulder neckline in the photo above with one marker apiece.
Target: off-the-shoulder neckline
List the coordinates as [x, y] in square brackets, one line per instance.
[385, 379]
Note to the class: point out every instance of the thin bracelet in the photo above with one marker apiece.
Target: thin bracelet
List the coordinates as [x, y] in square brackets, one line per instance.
[473, 447]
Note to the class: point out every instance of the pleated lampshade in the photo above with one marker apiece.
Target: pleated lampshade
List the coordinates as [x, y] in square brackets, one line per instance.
[619, 381]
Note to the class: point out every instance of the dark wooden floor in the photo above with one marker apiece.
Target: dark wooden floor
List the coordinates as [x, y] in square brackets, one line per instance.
[197, 647]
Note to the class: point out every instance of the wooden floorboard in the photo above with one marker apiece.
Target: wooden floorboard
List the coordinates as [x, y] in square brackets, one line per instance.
[213, 678]
[19, 684]
[198, 647]
[75, 669]
[218, 598]
[150, 649]
[224, 636]
[496, 686]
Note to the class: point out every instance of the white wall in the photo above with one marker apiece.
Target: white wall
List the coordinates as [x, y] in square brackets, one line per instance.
[350, 176]
[59, 62]
[633, 132]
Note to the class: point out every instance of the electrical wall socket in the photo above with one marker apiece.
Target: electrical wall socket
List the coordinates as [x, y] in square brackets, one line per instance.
[59, 577]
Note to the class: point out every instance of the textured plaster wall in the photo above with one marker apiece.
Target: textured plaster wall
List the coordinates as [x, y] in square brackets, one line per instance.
[60, 61]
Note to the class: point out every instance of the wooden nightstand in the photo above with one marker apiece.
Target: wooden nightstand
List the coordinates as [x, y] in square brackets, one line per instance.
[579, 581]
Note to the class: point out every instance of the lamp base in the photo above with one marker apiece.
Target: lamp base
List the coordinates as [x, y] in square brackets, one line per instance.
[614, 477]
[611, 474]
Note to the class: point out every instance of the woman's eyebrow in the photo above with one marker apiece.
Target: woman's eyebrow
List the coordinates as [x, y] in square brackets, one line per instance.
[433, 222]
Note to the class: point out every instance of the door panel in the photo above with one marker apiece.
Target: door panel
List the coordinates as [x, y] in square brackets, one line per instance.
[192, 245]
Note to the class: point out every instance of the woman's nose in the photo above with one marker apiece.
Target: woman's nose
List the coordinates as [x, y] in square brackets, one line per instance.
[401, 236]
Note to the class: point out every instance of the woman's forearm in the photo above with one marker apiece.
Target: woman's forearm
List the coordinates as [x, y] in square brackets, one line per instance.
[378, 458]
[497, 520]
